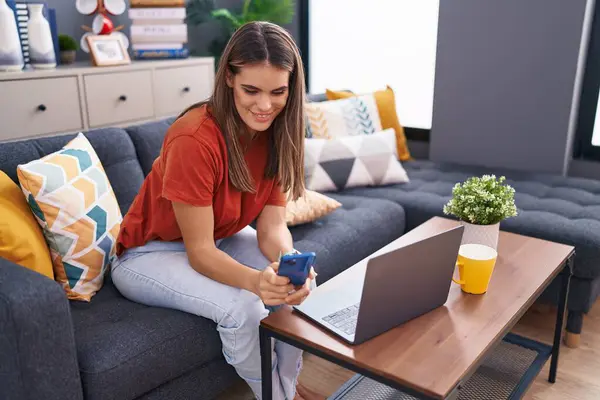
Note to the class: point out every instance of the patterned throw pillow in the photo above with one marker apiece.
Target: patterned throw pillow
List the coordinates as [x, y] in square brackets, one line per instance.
[74, 203]
[310, 207]
[386, 106]
[352, 161]
[348, 117]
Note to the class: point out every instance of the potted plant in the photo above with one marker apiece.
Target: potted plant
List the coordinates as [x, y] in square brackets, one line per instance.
[279, 12]
[68, 48]
[481, 203]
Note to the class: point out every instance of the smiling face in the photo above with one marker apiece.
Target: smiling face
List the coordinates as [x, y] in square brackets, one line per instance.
[260, 92]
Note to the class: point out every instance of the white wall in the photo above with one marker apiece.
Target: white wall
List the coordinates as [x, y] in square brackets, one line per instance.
[365, 45]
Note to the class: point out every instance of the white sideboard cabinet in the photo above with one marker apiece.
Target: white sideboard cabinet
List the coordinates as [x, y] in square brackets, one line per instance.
[80, 97]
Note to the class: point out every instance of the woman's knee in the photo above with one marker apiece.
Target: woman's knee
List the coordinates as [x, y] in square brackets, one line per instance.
[245, 313]
[133, 286]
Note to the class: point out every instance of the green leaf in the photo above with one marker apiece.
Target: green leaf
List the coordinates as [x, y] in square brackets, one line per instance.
[227, 17]
[245, 8]
[280, 12]
[482, 200]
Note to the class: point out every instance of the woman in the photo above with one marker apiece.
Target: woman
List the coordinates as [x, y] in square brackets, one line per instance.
[186, 242]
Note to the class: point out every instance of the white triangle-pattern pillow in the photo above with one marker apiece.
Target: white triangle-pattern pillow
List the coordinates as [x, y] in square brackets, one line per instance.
[353, 161]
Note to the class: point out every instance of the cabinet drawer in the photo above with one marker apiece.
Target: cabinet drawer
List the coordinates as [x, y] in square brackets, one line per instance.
[39, 106]
[177, 88]
[118, 97]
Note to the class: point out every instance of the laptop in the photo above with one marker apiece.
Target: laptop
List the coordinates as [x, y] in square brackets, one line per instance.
[397, 286]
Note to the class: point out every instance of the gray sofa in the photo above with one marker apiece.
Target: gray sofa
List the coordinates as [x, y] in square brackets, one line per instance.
[112, 348]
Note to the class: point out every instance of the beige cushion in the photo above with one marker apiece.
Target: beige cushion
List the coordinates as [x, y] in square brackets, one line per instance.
[311, 206]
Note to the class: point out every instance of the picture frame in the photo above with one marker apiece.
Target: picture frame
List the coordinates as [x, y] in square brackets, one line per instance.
[107, 50]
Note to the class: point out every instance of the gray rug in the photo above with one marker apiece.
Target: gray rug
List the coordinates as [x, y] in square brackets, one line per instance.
[505, 373]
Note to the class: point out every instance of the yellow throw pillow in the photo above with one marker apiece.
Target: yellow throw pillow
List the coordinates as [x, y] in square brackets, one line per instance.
[21, 238]
[310, 207]
[386, 105]
[74, 203]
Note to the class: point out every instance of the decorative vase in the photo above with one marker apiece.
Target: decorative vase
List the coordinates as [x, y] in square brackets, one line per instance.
[41, 48]
[481, 234]
[11, 55]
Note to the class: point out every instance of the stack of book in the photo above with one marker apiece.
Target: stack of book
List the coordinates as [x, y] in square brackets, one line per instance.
[158, 29]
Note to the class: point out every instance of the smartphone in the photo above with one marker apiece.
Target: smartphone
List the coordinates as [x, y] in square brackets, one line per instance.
[296, 267]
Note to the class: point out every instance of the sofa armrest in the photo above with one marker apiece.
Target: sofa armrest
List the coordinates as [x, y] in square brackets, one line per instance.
[38, 357]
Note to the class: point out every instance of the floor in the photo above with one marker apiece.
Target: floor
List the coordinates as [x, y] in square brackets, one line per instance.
[578, 372]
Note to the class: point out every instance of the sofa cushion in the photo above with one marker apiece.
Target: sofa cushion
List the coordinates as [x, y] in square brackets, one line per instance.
[126, 349]
[148, 139]
[550, 207]
[211, 380]
[21, 238]
[350, 233]
[386, 105]
[75, 205]
[352, 161]
[356, 115]
[308, 208]
[112, 145]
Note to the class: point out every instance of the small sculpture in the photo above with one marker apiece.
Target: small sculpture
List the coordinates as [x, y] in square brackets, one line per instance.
[102, 24]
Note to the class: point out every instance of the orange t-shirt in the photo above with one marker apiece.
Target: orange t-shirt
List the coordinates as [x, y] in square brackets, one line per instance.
[192, 168]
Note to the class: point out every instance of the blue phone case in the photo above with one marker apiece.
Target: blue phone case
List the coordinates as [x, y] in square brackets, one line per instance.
[296, 267]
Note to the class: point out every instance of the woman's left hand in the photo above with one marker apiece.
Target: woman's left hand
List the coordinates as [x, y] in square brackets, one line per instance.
[302, 292]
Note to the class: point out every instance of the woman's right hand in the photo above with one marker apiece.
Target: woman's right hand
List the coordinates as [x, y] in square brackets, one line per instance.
[272, 288]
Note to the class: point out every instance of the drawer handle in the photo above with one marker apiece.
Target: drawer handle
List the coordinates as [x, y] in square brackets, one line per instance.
[123, 97]
[42, 107]
[186, 89]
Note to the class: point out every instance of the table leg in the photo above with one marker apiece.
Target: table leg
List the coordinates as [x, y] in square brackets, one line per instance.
[266, 363]
[454, 394]
[560, 317]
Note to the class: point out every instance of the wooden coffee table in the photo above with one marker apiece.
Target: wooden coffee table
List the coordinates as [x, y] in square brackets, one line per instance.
[431, 356]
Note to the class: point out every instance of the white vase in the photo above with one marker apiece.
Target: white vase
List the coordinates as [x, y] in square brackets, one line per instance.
[11, 55]
[481, 234]
[41, 48]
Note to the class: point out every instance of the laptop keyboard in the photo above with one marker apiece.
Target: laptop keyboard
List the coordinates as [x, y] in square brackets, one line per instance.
[344, 319]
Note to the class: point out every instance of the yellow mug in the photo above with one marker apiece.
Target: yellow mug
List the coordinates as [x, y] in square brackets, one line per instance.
[475, 266]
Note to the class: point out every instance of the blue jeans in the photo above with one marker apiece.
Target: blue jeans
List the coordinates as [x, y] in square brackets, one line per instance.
[159, 274]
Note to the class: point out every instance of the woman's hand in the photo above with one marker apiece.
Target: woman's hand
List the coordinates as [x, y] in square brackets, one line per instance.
[272, 288]
[275, 290]
[301, 292]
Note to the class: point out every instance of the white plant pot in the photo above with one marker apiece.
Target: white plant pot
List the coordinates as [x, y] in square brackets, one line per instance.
[11, 56]
[481, 234]
[41, 48]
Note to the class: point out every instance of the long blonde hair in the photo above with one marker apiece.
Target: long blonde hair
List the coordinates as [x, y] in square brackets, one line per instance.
[258, 42]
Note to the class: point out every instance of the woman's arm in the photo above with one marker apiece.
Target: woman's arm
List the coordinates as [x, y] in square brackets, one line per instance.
[197, 225]
[274, 237]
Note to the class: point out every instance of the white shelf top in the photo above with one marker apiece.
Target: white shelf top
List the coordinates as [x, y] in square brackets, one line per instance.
[86, 67]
